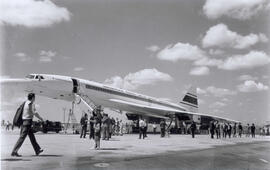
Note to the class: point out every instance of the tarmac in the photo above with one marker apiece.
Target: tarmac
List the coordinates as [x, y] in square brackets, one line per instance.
[68, 151]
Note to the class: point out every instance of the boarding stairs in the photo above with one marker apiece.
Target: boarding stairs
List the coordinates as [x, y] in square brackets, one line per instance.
[84, 103]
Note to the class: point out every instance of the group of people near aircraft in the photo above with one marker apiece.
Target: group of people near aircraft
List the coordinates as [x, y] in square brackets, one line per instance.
[101, 126]
[227, 130]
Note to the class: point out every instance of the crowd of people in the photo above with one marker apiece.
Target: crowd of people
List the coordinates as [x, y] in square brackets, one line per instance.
[101, 126]
[225, 130]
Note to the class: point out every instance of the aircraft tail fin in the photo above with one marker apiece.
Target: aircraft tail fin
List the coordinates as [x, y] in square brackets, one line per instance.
[190, 100]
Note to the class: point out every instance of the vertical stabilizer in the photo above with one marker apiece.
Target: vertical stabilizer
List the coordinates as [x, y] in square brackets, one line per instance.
[190, 100]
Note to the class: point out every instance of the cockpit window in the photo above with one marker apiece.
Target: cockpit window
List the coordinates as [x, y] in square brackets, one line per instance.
[30, 76]
[39, 77]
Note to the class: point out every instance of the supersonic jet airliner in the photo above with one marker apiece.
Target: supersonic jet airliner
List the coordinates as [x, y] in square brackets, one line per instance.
[88, 95]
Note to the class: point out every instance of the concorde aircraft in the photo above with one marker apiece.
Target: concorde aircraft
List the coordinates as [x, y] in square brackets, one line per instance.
[89, 94]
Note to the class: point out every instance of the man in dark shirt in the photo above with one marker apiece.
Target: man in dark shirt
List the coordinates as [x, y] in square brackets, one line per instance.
[84, 125]
[91, 127]
[212, 129]
[234, 130]
[240, 130]
[193, 128]
[252, 128]
[229, 130]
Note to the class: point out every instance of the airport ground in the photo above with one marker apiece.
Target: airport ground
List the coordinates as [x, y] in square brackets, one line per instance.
[68, 151]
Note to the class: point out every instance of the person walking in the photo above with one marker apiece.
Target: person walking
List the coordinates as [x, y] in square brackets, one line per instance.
[253, 128]
[91, 128]
[141, 128]
[162, 128]
[229, 130]
[240, 130]
[97, 127]
[8, 124]
[212, 129]
[29, 111]
[84, 125]
[145, 128]
[154, 128]
[105, 125]
[248, 131]
[234, 130]
[193, 128]
[217, 130]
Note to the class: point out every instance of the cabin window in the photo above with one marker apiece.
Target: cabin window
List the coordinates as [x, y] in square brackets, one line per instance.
[30, 76]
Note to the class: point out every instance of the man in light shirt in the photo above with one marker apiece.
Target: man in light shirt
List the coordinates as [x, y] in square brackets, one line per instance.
[29, 112]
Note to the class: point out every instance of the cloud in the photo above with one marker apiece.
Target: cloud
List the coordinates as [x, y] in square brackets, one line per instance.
[250, 60]
[201, 101]
[206, 61]
[247, 77]
[217, 105]
[22, 57]
[199, 71]
[216, 52]
[201, 91]
[78, 69]
[220, 36]
[217, 92]
[153, 48]
[252, 86]
[32, 13]
[180, 51]
[238, 9]
[46, 56]
[135, 80]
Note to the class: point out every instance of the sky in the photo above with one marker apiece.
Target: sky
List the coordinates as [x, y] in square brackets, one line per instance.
[154, 47]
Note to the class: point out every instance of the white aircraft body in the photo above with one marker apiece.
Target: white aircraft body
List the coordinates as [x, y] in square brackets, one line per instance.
[89, 94]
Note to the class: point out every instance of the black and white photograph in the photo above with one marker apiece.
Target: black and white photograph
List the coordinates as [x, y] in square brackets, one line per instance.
[135, 84]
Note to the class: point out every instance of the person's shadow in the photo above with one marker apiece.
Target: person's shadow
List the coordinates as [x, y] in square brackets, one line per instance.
[15, 159]
[107, 149]
[43, 155]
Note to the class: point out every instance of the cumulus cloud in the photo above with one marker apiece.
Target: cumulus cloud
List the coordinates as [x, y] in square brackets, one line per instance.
[252, 86]
[238, 9]
[201, 91]
[78, 69]
[201, 101]
[206, 61]
[250, 60]
[180, 51]
[217, 92]
[153, 48]
[22, 57]
[32, 13]
[199, 71]
[134, 80]
[46, 56]
[247, 77]
[216, 52]
[220, 36]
